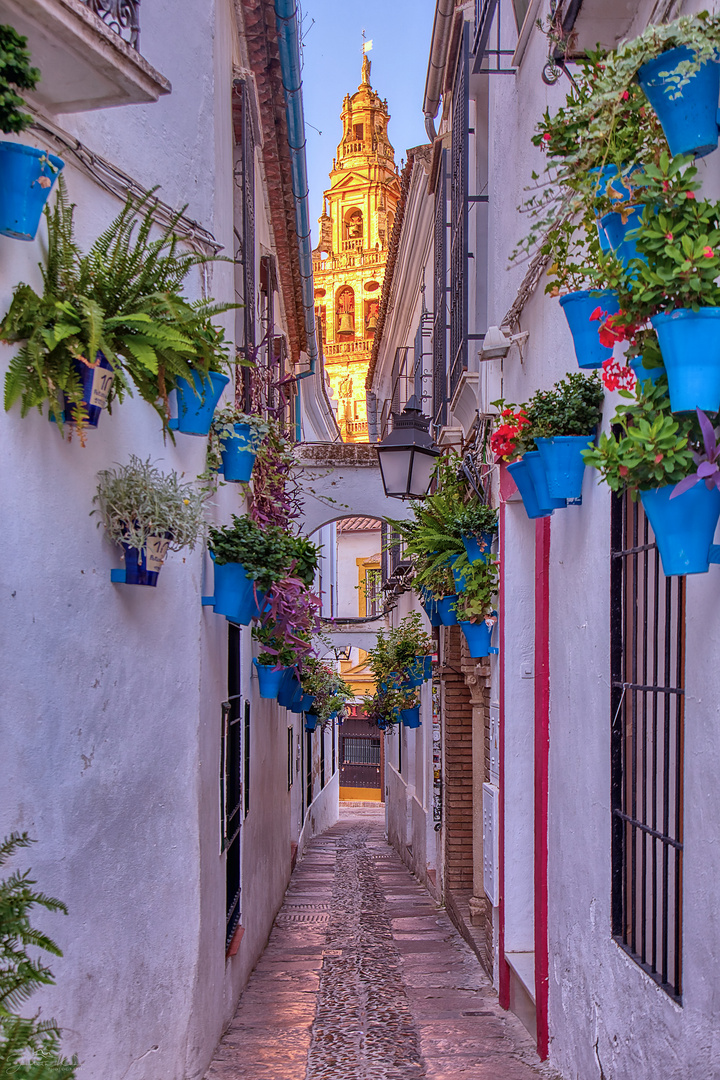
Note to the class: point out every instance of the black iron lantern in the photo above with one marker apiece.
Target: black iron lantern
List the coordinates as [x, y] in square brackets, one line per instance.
[407, 455]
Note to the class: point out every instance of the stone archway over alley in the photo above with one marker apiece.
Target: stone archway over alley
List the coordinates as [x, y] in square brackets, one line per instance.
[365, 978]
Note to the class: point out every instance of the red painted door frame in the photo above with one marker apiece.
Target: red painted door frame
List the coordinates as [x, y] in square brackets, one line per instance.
[542, 748]
[541, 752]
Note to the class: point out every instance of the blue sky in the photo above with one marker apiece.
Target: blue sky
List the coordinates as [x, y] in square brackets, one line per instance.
[400, 31]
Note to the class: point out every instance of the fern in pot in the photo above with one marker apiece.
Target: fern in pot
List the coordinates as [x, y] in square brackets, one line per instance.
[148, 513]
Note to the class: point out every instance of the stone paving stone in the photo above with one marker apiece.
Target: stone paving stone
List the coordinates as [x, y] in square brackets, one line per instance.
[365, 978]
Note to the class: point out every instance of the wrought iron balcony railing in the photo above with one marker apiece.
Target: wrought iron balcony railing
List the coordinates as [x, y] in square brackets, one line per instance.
[122, 16]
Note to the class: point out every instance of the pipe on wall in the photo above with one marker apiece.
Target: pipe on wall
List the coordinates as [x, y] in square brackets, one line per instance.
[286, 14]
[436, 63]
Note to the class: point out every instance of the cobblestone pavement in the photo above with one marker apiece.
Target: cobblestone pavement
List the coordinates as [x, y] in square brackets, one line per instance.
[364, 978]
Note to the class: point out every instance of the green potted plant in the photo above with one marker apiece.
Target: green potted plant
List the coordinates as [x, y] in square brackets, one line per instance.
[327, 689]
[29, 1047]
[27, 173]
[248, 560]
[147, 513]
[563, 421]
[475, 605]
[670, 464]
[111, 319]
[233, 443]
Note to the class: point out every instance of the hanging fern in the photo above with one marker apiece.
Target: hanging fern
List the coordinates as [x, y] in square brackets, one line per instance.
[123, 299]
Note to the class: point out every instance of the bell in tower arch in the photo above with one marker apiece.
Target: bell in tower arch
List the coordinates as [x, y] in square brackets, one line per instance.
[346, 311]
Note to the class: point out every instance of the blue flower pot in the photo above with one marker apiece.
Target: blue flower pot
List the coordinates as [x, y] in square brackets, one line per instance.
[688, 115]
[307, 703]
[690, 346]
[411, 717]
[136, 569]
[564, 466]
[536, 467]
[429, 606]
[684, 527]
[196, 402]
[578, 307]
[617, 232]
[642, 373]
[289, 686]
[238, 457]
[477, 548]
[96, 383]
[22, 196]
[234, 593]
[458, 577]
[477, 635]
[311, 721]
[418, 672]
[520, 473]
[295, 705]
[446, 611]
[269, 679]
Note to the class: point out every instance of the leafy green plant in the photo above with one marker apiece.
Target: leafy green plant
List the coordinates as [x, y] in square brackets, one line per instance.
[136, 501]
[572, 407]
[648, 446]
[223, 428]
[328, 688]
[268, 554]
[477, 599]
[476, 518]
[396, 650]
[15, 74]
[29, 1048]
[122, 299]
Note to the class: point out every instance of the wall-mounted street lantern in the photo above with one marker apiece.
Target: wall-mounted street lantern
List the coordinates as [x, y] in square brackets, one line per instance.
[407, 455]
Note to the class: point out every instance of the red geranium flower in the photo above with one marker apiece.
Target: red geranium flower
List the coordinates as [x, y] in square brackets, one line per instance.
[617, 376]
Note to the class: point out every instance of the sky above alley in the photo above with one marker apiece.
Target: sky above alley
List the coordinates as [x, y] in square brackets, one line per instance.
[400, 31]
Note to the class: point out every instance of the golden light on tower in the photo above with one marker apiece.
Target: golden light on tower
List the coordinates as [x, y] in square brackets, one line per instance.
[349, 261]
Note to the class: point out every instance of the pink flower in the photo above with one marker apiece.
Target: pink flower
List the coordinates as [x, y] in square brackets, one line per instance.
[689, 194]
[547, 137]
[625, 95]
[668, 236]
[708, 252]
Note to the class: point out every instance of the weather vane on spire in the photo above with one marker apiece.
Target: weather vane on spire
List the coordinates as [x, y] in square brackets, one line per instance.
[366, 47]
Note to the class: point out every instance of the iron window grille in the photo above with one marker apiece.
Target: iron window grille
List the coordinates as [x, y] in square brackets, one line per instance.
[459, 221]
[244, 176]
[359, 750]
[231, 795]
[440, 298]
[648, 700]
[373, 591]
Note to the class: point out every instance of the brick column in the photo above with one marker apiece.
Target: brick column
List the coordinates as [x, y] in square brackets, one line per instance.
[457, 767]
[477, 679]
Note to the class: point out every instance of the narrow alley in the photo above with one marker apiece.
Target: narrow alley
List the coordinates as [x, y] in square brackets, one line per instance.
[365, 978]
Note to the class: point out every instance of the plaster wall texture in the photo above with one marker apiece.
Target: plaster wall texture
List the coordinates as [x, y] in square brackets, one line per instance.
[112, 695]
[606, 1016]
[352, 546]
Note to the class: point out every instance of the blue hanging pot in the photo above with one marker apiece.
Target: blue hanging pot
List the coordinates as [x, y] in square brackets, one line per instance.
[642, 373]
[688, 114]
[295, 705]
[690, 347]
[564, 466]
[307, 703]
[446, 610]
[578, 307]
[418, 672]
[478, 636]
[196, 402]
[234, 593]
[288, 687]
[477, 548]
[96, 381]
[238, 457]
[311, 721]
[28, 175]
[616, 230]
[269, 679]
[684, 527]
[411, 717]
[141, 570]
[521, 475]
[429, 606]
[538, 475]
[458, 577]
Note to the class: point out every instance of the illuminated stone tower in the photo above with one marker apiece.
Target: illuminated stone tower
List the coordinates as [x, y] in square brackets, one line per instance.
[349, 261]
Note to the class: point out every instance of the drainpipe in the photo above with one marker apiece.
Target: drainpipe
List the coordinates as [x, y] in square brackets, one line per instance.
[436, 64]
[286, 15]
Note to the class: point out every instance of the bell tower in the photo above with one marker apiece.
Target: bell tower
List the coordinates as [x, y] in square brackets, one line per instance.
[349, 261]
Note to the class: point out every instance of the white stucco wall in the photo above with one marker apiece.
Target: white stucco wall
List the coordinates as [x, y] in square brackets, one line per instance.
[111, 707]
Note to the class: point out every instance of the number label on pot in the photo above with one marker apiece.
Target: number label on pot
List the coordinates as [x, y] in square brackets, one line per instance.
[101, 383]
[157, 547]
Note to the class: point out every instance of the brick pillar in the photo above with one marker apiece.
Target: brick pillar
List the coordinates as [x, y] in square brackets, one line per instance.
[457, 767]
